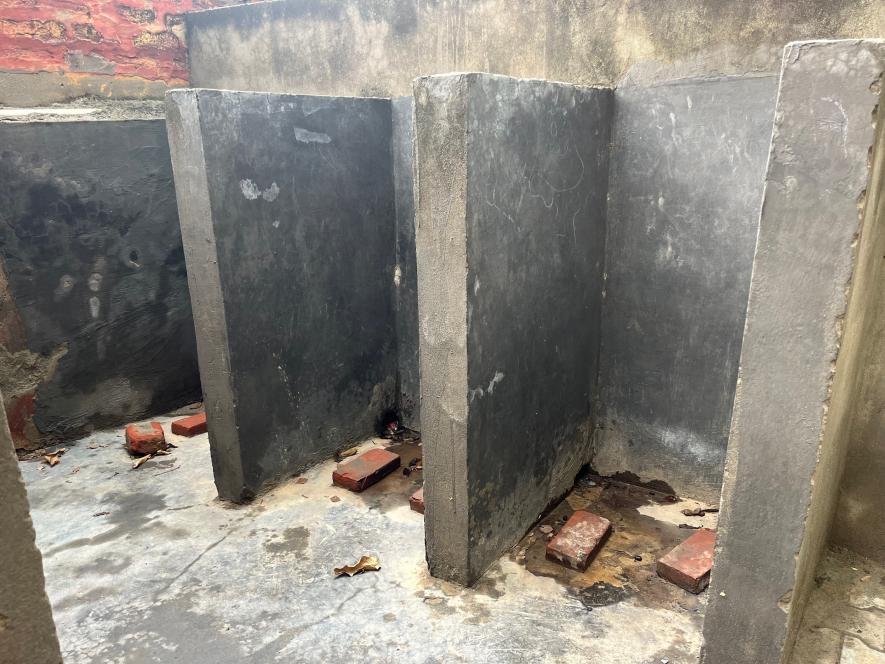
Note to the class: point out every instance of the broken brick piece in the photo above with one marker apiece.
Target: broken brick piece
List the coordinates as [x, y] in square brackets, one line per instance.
[190, 426]
[363, 471]
[416, 501]
[145, 438]
[689, 564]
[578, 540]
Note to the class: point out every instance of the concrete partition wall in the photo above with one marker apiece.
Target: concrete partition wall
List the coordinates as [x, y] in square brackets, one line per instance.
[801, 361]
[688, 161]
[512, 178]
[287, 214]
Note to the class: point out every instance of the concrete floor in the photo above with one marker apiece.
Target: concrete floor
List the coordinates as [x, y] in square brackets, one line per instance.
[845, 619]
[148, 566]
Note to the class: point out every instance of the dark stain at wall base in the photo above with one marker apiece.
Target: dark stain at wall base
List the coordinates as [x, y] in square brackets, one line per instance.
[92, 254]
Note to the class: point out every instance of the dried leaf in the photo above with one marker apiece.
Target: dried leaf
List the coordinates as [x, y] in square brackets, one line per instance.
[348, 453]
[141, 461]
[53, 458]
[364, 564]
[334, 499]
[101, 514]
[301, 480]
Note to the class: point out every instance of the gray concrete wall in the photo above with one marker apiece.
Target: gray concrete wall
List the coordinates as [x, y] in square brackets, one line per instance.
[512, 180]
[860, 525]
[406, 275]
[688, 163]
[376, 47]
[97, 325]
[788, 430]
[27, 632]
[288, 217]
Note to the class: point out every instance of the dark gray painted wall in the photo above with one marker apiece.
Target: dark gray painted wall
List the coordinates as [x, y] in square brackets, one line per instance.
[537, 166]
[98, 320]
[688, 161]
[406, 277]
[512, 180]
[294, 202]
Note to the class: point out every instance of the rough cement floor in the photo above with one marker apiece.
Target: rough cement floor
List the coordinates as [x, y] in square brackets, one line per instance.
[845, 619]
[148, 566]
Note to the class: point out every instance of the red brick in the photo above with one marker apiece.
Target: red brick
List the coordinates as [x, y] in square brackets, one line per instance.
[190, 426]
[416, 501]
[145, 438]
[689, 564]
[578, 540]
[363, 471]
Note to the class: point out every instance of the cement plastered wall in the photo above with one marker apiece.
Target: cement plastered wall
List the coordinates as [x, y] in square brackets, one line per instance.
[688, 163]
[861, 522]
[792, 405]
[288, 216]
[376, 47]
[512, 179]
[97, 321]
[53, 51]
[27, 633]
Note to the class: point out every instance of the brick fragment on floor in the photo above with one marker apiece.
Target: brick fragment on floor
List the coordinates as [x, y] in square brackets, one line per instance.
[688, 565]
[190, 426]
[361, 472]
[578, 540]
[145, 438]
[416, 501]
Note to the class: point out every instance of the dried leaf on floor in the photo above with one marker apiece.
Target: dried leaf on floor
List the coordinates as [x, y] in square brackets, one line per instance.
[101, 514]
[364, 564]
[53, 458]
[138, 463]
[301, 480]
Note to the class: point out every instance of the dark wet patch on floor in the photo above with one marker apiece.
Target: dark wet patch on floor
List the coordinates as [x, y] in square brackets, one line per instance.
[624, 568]
[291, 540]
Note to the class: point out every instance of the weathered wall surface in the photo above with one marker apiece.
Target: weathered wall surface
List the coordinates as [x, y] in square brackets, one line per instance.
[688, 163]
[376, 47]
[288, 217]
[792, 405]
[406, 275]
[97, 320]
[27, 632]
[51, 51]
[512, 179]
[861, 519]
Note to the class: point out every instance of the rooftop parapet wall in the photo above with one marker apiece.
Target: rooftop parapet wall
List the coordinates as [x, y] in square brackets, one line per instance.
[356, 47]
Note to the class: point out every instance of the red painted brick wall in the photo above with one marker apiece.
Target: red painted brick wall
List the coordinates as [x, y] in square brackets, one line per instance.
[141, 38]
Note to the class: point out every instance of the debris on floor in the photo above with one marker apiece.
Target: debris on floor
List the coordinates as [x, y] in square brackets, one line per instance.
[362, 472]
[416, 501]
[190, 426]
[578, 540]
[54, 458]
[339, 455]
[140, 461]
[145, 438]
[689, 564]
[414, 465]
[364, 564]
[700, 511]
